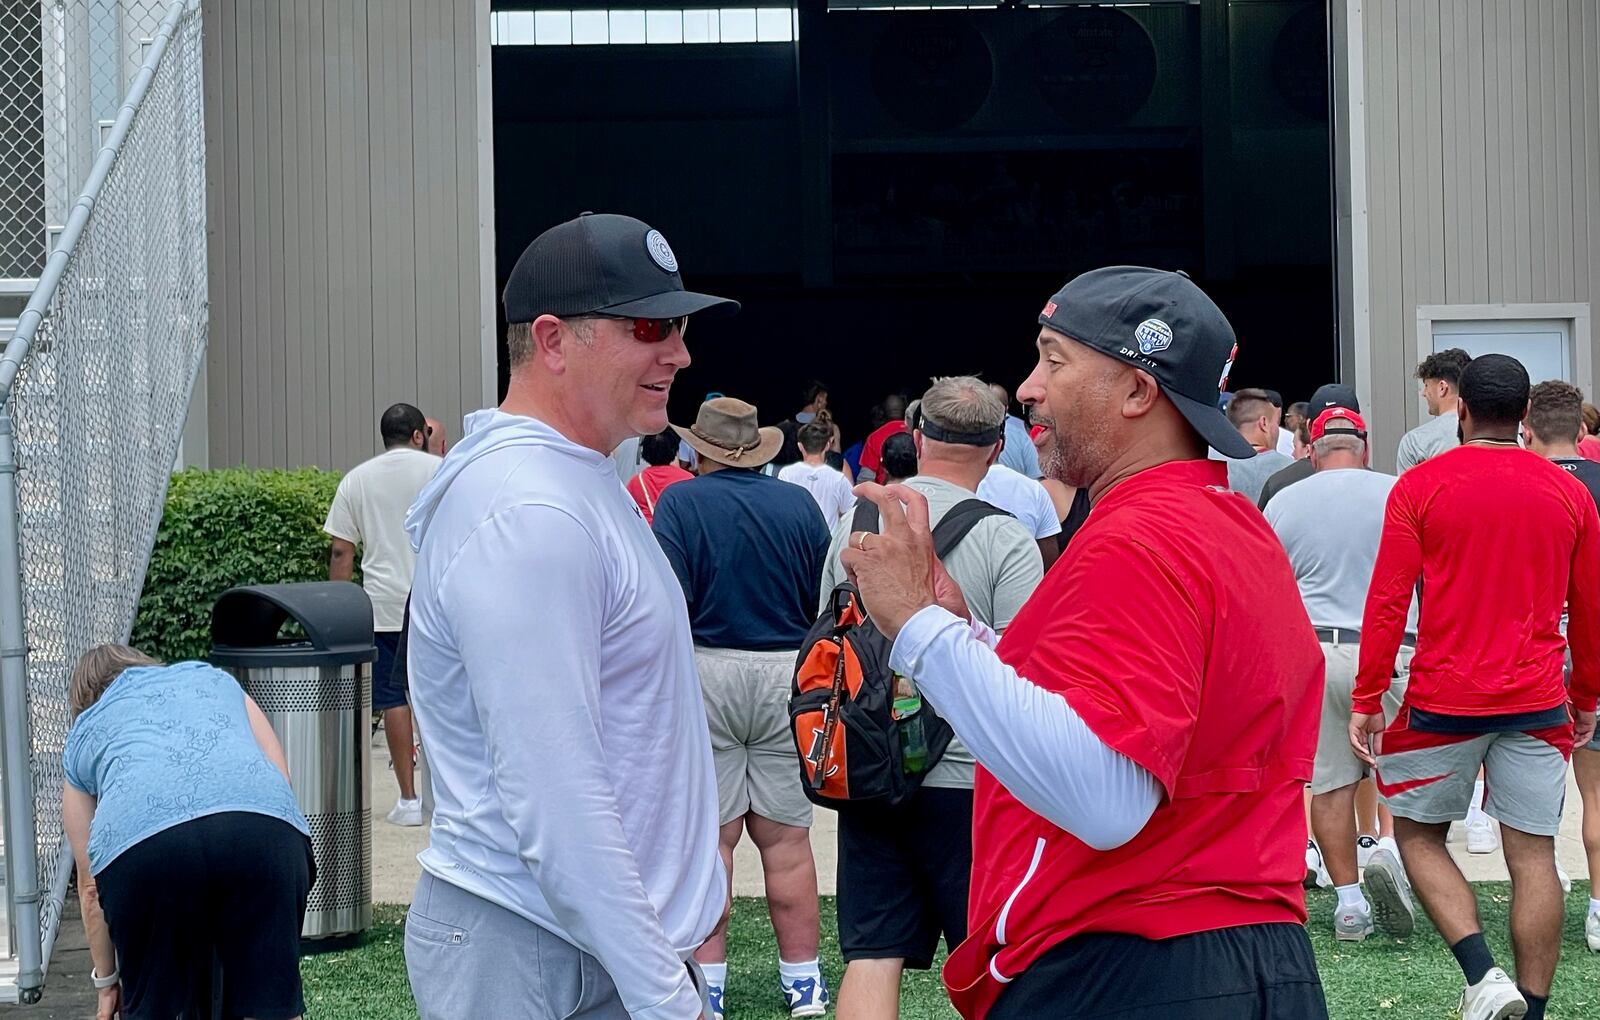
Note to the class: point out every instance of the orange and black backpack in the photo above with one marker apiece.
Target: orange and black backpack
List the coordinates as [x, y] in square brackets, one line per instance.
[842, 703]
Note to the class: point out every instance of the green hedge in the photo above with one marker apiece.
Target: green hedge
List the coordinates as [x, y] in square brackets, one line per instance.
[227, 528]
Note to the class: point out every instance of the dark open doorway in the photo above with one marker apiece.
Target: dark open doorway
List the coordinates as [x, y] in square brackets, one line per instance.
[896, 193]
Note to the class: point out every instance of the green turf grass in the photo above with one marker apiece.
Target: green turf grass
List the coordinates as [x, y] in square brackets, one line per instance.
[1412, 980]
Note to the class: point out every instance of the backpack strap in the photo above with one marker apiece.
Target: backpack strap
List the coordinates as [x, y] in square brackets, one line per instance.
[952, 528]
[866, 516]
[960, 519]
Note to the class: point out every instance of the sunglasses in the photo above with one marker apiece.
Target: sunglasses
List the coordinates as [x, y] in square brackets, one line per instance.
[650, 331]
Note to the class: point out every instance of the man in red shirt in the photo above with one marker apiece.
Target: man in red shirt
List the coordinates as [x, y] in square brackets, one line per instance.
[1146, 727]
[894, 409]
[1501, 539]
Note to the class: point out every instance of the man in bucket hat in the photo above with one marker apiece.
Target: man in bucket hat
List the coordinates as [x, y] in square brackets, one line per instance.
[1146, 727]
[748, 550]
[572, 866]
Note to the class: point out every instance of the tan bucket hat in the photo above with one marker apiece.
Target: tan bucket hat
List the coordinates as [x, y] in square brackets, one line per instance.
[725, 430]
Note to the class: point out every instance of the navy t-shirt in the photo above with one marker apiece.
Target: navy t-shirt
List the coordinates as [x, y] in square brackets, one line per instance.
[748, 550]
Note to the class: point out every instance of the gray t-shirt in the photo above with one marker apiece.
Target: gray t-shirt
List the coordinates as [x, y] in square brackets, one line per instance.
[1330, 525]
[997, 566]
[1250, 475]
[1429, 439]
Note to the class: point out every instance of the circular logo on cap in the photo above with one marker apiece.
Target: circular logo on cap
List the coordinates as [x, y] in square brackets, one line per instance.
[1153, 335]
[660, 251]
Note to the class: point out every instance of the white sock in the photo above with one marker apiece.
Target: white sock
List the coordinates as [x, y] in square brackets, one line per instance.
[1350, 896]
[1475, 814]
[796, 971]
[716, 973]
[1594, 906]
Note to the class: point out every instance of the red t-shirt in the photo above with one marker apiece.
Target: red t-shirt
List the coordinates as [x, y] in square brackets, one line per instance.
[1502, 539]
[647, 486]
[872, 449]
[1589, 448]
[1174, 628]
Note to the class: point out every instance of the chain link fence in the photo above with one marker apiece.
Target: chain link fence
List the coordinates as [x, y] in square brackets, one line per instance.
[64, 67]
[93, 389]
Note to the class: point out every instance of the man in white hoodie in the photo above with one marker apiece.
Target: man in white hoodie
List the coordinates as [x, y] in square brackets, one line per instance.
[572, 868]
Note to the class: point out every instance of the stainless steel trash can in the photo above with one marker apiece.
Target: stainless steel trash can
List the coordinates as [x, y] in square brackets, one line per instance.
[314, 685]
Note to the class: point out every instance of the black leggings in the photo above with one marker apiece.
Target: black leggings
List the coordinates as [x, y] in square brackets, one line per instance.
[224, 893]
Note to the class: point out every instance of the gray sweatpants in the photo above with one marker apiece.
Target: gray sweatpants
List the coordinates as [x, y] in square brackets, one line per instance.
[469, 959]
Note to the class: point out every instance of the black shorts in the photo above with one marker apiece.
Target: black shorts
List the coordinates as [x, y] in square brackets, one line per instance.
[1254, 972]
[903, 877]
[388, 689]
[222, 894]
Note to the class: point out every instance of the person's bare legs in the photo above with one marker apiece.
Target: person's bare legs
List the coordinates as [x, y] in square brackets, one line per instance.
[1586, 770]
[1333, 823]
[1438, 883]
[397, 733]
[715, 948]
[1536, 907]
[1366, 809]
[791, 877]
[870, 990]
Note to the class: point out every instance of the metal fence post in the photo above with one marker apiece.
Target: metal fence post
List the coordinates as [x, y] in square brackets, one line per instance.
[15, 730]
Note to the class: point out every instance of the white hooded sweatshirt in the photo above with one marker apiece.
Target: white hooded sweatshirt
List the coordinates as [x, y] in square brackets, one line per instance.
[553, 677]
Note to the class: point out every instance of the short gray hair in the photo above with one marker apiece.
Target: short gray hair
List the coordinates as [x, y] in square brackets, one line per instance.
[1338, 444]
[519, 338]
[519, 343]
[963, 403]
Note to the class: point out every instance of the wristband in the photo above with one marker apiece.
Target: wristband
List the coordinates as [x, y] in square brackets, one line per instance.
[109, 981]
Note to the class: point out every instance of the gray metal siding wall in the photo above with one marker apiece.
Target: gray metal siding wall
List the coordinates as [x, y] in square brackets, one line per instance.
[348, 268]
[1483, 168]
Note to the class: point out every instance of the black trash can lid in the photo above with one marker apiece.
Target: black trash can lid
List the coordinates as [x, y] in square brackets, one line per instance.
[336, 617]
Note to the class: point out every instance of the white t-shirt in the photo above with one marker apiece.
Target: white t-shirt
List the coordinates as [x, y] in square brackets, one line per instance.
[553, 672]
[826, 485]
[369, 510]
[1330, 524]
[1021, 497]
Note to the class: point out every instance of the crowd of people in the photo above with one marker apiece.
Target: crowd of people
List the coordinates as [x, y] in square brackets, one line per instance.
[1203, 637]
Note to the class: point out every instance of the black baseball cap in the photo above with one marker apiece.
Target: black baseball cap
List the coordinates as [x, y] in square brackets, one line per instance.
[607, 264]
[1333, 395]
[1164, 324]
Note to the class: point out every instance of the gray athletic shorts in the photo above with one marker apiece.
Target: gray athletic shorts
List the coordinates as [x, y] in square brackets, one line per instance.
[1337, 765]
[467, 957]
[1429, 777]
[747, 707]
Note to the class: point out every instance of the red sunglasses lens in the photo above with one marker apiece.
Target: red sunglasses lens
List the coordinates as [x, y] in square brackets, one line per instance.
[653, 331]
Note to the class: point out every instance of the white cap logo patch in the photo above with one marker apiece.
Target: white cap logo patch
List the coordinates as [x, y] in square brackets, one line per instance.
[660, 251]
[1153, 335]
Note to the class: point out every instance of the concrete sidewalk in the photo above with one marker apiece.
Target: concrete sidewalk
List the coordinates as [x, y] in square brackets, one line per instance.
[395, 868]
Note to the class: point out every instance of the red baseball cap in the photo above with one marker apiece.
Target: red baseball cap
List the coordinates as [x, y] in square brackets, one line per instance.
[1357, 426]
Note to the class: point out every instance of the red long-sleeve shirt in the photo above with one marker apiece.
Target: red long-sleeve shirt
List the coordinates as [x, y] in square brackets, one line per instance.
[1502, 539]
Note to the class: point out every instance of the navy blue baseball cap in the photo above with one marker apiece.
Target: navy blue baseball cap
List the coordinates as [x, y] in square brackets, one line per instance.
[1163, 323]
[602, 263]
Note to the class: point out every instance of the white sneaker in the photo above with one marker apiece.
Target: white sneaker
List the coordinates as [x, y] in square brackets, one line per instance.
[1565, 879]
[407, 813]
[1482, 838]
[1352, 924]
[1390, 894]
[1365, 845]
[1316, 872]
[1494, 998]
[1591, 932]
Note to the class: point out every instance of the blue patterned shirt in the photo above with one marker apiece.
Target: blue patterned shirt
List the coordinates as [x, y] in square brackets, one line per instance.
[166, 745]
